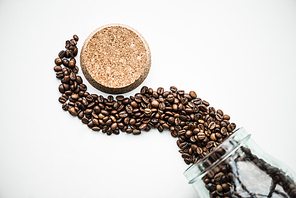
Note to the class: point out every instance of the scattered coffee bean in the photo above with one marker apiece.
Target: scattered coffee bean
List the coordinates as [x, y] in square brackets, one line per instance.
[72, 111]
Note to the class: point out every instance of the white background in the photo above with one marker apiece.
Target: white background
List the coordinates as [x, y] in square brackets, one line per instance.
[238, 55]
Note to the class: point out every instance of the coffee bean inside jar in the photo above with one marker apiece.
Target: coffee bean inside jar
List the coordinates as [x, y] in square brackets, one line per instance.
[240, 168]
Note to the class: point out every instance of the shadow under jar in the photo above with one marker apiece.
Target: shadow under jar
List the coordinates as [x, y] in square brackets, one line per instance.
[240, 168]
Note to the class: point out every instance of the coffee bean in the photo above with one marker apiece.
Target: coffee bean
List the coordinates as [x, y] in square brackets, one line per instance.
[212, 125]
[136, 132]
[61, 88]
[201, 135]
[96, 128]
[88, 111]
[160, 90]
[82, 87]
[62, 99]
[213, 137]
[219, 117]
[170, 98]
[123, 114]
[199, 151]
[62, 54]
[58, 61]
[142, 126]
[57, 68]
[129, 109]
[144, 89]
[73, 76]
[59, 75]
[113, 126]
[188, 133]
[74, 96]
[71, 63]
[192, 94]
[72, 111]
[73, 42]
[65, 106]
[75, 37]
[173, 89]
[155, 104]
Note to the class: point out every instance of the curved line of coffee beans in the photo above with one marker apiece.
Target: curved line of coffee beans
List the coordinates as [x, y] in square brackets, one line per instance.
[199, 127]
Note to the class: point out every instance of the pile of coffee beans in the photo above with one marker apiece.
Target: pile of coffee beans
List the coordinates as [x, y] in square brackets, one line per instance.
[198, 127]
[243, 174]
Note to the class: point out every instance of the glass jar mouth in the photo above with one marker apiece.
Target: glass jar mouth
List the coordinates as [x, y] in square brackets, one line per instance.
[218, 155]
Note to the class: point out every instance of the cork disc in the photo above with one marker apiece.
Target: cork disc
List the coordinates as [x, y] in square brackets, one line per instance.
[115, 58]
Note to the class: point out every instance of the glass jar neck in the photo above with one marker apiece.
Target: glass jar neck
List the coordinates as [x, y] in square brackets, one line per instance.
[230, 145]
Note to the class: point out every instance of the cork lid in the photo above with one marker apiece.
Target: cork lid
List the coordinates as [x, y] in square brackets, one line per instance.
[115, 58]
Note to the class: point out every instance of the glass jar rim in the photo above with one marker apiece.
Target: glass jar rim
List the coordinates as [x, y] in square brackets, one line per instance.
[206, 164]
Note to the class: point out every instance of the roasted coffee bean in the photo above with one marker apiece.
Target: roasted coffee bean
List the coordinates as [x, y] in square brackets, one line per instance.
[73, 76]
[171, 120]
[162, 106]
[196, 101]
[67, 44]
[62, 88]
[226, 117]
[71, 63]
[57, 68]
[201, 135]
[192, 94]
[62, 99]
[82, 87]
[96, 128]
[58, 61]
[75, 69]
[113, 126]
[155, 104]
[65, 106]
[89, 98]
[142, 126]
[72, 111]
[62, 54]
[147, 112]
[66, 79]
[74, 96]
[199, 151]
[123, 114]
[136, 132]
[188, 133]
[170, 98]
[129, 109]
[75, 37]
[65, 62]
[144, 89]
[84, 120]
[160, 90]
[212, 125]
[79, 80]
[205, 103]
[173, 89]
[59, 75]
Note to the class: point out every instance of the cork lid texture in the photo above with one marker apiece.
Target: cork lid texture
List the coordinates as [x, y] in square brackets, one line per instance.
[115, 58]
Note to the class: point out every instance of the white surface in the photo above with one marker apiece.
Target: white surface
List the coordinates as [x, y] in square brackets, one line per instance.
[238, 55]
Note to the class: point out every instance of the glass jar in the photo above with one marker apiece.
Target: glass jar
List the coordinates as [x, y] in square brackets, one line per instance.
[240, 168]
